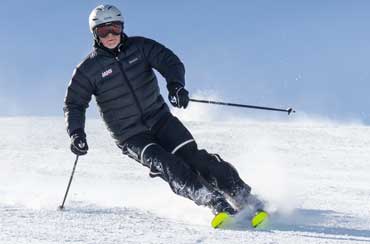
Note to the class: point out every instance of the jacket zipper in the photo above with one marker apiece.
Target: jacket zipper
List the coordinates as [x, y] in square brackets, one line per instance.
[132, 91]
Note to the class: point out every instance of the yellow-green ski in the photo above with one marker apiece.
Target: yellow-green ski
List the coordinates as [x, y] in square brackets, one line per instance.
[260, 220]
[220, 220]
[224, 221]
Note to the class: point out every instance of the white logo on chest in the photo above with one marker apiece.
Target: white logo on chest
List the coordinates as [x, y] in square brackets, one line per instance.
[133, 60]
[106, 73]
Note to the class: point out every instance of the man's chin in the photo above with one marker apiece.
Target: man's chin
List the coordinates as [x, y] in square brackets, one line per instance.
[112, 46]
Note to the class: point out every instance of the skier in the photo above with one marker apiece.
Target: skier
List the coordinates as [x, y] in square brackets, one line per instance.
[119, 73]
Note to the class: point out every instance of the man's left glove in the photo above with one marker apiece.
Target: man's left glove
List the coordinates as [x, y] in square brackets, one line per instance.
[78, 142]
[178, 95]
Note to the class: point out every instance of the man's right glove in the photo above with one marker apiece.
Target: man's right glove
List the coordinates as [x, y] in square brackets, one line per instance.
[78, 142]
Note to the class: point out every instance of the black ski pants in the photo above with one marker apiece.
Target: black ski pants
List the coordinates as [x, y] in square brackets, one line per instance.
[170, 151]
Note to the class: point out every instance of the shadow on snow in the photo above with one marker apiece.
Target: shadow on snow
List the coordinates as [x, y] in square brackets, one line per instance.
[323, 224]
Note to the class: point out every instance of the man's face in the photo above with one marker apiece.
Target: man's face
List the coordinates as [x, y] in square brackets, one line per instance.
[109, 34]
[110, 41]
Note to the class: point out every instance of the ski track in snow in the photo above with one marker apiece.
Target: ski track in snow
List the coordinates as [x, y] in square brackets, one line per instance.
[315, 177]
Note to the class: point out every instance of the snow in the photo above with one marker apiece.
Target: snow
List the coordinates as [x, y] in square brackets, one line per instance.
[314, 174]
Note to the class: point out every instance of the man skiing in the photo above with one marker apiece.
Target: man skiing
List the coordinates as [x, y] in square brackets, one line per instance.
[119, 73]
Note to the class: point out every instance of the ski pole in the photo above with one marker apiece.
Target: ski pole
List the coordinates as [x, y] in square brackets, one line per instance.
[61, 207]
[288, 110]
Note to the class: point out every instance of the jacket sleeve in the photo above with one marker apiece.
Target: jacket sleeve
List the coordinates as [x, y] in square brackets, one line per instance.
[78, 96]
[165, 61]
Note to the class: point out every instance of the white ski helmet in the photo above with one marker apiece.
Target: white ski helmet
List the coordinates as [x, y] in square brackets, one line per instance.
[104, 14]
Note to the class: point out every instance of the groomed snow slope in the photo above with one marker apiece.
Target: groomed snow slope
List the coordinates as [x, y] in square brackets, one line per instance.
[315, 174]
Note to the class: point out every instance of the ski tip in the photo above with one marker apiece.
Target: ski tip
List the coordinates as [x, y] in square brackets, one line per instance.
[220, 220]
[260, 220]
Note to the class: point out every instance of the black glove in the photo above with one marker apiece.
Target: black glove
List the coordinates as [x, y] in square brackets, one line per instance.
[78, 142]
[178, 95]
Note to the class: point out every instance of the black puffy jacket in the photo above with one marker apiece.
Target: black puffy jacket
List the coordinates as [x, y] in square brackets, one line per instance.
[124, 85]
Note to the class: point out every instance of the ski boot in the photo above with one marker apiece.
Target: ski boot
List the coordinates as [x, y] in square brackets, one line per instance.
[248, 203]
[222, 210]
[242, 198]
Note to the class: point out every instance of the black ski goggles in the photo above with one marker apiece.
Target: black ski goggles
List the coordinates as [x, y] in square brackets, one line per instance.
[103, 31]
